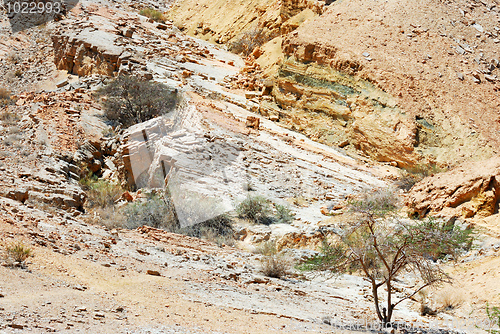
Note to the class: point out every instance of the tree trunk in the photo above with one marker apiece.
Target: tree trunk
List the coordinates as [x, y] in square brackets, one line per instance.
[390, 306]
[375, 300]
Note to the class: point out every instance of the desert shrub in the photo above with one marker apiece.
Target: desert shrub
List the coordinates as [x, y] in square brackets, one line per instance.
[493, 314]
[218, 230]
[18, 252]
[152, 14]
[411, 176]
[201, 216]
[158, 211]
[249, 40]
[274, 264]
[13, 140]
[256, 209]
[283, 214]
[449, 299]
[110, 216]
[378, 202]
[129, 100]
[7, 117]
[4, 94]
[100, 193]
[4, 98]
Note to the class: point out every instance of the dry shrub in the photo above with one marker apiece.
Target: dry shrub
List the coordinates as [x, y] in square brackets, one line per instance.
[218, 230]
[274, 263]
[379, 202]
[18, 252]
[158, 211]
[129, 100]
[8, 117]
[109, 217]
[152, 14]
[249, 40]
[5, 97]
[449, 298]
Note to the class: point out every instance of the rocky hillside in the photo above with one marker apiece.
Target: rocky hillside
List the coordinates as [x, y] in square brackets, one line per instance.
[414, 81]
[338, 100]
[405, 83]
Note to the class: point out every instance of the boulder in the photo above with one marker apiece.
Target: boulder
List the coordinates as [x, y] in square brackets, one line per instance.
[138, 149]
[469, 190]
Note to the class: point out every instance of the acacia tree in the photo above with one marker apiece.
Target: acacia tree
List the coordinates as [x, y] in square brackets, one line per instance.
[383, 247]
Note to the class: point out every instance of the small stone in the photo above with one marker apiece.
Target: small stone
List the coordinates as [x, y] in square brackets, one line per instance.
[460, 76]
[153, 273]
[478, 27]
[366, 54]
[344, 143]
[491, 78]
[274, 118]
[459, 50]
[128, 33]
[62, 83]
[476, 78]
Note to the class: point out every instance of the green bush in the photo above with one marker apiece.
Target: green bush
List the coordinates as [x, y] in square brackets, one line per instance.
[100, 193]
[129, 100]
[283, 214]
[256, 209]
[158, 212]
